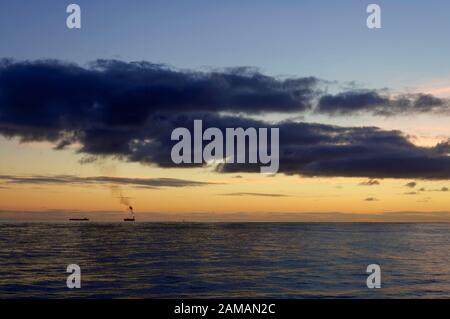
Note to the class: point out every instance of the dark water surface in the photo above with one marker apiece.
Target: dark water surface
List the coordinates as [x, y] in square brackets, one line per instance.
[170, 260]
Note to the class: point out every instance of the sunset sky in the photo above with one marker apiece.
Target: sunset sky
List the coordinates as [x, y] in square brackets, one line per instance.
[363, 114]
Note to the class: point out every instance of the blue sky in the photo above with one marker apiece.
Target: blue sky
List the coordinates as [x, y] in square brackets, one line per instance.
[327, 39]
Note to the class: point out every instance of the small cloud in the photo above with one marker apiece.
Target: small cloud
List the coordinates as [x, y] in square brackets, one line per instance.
[370, 182]
[443, 189]
[255, 194]
[371, 199]
[411, 184]
[87, 159]
[422, 189]
[151, 183]
[424, 200]
[411, 193]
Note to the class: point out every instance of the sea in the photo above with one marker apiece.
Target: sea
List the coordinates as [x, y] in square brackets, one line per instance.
[224, 260]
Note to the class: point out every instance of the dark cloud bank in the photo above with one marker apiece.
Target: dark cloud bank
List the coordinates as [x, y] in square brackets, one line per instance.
[128, 111]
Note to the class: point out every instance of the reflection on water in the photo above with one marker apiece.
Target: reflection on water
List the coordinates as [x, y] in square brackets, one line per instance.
[169, 260]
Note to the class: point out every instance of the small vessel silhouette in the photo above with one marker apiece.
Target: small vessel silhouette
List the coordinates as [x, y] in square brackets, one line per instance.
[79, 219]
[130, 219]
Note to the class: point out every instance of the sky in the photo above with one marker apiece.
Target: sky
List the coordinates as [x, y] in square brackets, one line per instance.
[363, 114]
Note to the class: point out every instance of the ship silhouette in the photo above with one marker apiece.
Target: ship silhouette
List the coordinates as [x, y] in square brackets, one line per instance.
[130, 219]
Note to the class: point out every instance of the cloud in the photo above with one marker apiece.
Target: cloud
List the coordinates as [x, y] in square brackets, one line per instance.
[370, 182]
[96, 180]
[443, 147]
[60, 93]
[305, 148]
[350, 102]
[128, 110]
[443, 189]
[311, 149]
[411, 184]
[255, 194]
[377, 103]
